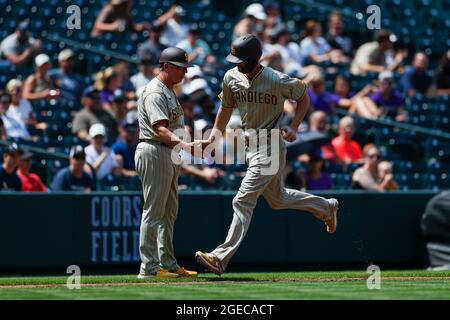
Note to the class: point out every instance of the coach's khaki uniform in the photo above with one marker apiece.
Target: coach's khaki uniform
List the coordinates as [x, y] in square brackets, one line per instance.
[260, 103]
[159, 176]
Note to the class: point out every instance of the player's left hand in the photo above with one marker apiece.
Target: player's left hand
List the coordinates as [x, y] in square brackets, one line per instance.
[289, 134]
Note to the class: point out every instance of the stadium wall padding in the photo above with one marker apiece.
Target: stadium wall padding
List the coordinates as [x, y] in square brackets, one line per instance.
[102, 229]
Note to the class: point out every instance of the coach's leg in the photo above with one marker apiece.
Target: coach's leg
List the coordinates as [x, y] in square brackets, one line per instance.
[155, 186]
[279, 197]
[244, 202]
[165, 234]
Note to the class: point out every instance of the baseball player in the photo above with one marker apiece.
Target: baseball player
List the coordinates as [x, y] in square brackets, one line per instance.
[159, 114]
[259, 93]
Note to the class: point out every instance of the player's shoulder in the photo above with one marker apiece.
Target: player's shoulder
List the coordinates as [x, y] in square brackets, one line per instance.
[231, 74]
[155, 85]
[153, 88]
[275, 74]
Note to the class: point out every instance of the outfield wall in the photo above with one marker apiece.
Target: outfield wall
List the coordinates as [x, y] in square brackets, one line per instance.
[102, 230]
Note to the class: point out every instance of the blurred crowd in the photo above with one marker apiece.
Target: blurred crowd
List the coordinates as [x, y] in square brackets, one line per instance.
[107, 121]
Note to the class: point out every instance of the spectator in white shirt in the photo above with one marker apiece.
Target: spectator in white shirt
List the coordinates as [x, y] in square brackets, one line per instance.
[12, 125]
[21, 108]
[197, 48]
[291, 56]
[19, 48]
[100, 157]
[251, 22]
[175, 30]
[316, 49]
[146, 73]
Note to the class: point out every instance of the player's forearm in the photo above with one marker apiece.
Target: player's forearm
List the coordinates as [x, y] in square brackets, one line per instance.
[168, 137]
[300, 111]
[222, 119]
[191, 170]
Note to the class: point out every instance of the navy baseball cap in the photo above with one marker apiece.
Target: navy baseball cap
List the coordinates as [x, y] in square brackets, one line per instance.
[13, 148]
[77, 152]
[89, 90]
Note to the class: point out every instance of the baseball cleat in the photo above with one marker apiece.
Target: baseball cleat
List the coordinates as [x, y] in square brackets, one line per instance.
[331, 222]
[210, 262]
[161, 273]
[182, 272]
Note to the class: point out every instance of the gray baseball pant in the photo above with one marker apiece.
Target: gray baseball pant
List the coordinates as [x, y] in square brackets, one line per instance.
[159, 176]
[278, 197]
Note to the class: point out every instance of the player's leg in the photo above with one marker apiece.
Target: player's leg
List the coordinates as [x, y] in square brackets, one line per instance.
[279, 197]
[244, 202]
[155, 176]
[165, 232]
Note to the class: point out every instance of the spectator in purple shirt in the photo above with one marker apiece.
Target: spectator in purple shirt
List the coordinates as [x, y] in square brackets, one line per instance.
[320, 98]
[342, 92]
[374, 103]
[389, 101]
[314, 178]
[107, 81]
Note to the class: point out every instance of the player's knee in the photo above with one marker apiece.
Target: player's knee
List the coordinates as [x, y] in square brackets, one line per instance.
[276, 203]
[240, 203]
[237, 201]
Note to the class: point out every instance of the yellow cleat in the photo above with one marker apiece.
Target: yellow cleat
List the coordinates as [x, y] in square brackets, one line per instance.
[182, 272]
[161, 273]
[210, 262]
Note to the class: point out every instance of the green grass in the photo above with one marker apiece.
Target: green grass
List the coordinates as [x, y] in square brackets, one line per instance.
[272, 286]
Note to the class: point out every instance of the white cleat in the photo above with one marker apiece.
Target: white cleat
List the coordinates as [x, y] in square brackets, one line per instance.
[331, 221]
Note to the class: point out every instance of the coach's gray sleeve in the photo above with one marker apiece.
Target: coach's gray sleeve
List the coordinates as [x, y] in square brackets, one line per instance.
[292, 88]
[155, 106]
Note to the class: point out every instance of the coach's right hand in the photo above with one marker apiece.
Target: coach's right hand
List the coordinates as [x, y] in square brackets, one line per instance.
[194, 148]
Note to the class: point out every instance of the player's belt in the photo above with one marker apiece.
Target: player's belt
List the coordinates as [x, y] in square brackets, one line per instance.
[255, 138]
[154, 142]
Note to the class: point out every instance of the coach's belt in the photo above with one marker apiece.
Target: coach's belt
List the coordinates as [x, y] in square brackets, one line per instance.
[154, 142]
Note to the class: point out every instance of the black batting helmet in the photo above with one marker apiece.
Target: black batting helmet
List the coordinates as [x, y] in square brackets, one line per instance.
[175, 56]
[246, 47]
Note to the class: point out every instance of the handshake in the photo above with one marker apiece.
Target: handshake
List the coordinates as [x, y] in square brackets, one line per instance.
[200, 148]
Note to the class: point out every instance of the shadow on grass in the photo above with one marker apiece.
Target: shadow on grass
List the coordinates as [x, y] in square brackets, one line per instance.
[218, 279]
